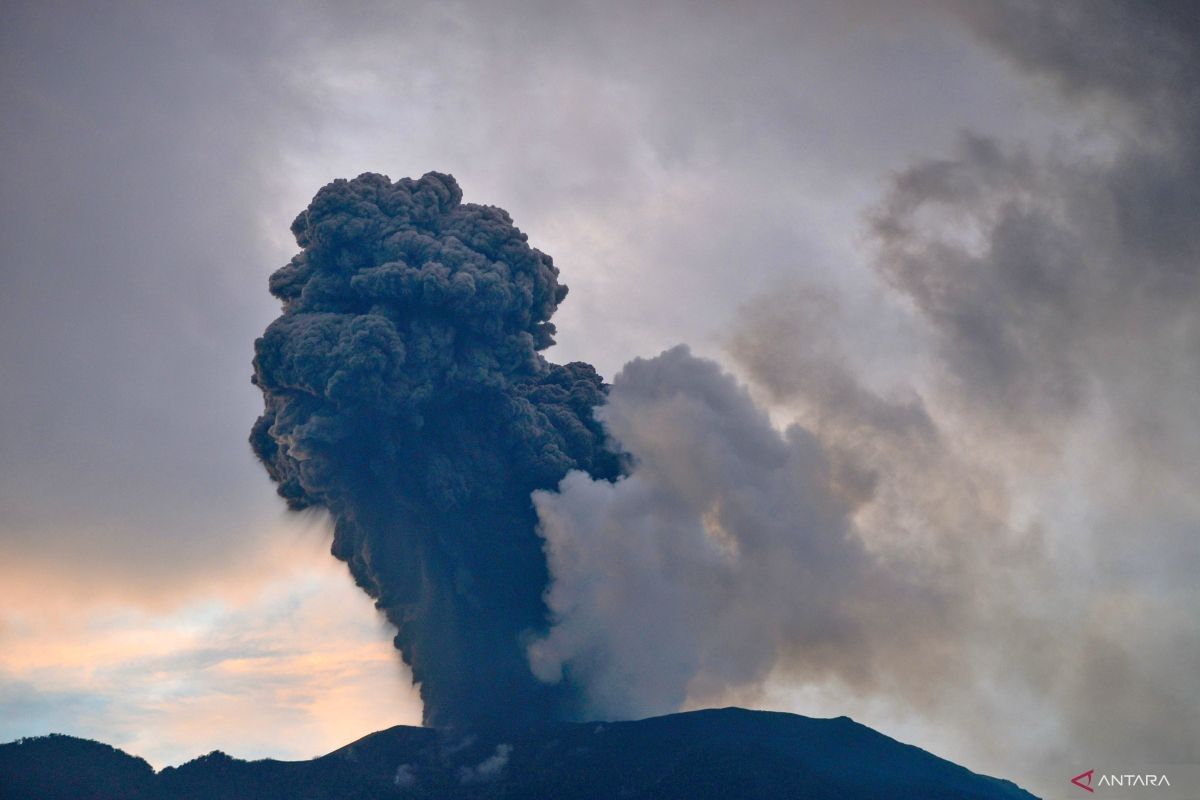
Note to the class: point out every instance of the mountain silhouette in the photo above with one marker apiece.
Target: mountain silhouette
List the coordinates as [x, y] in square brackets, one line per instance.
[714, 754]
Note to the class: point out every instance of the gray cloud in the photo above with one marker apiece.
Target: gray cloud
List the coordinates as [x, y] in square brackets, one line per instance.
[130, 137]
[729, 552]
[181, 122]
[1030, 472]
[1144, 54]
[1051, 278]
[1050, 440]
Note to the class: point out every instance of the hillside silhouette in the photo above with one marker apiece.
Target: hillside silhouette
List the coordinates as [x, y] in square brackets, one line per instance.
[701, 755]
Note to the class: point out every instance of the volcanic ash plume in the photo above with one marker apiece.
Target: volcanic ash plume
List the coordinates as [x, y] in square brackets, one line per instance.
[405, 393]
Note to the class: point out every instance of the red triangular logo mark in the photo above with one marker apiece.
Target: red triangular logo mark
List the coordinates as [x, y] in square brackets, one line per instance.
[1084, 780]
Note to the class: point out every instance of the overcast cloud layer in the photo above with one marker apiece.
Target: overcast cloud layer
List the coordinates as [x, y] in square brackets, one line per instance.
[1018, 511]
[953, 244]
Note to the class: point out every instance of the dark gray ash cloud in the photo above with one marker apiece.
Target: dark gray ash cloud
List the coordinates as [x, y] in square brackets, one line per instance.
[405, 393]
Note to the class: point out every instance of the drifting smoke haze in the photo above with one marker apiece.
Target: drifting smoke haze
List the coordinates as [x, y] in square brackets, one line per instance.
[915, 543]
[405, 394]
[729, 549]
[855, 549]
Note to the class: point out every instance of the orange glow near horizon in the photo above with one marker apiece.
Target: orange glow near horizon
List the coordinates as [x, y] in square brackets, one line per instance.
[285, 658]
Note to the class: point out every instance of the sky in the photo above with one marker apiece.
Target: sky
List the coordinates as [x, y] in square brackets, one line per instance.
[941, 258]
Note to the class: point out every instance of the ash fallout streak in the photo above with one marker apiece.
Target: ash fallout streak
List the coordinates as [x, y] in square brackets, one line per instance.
[405, 393]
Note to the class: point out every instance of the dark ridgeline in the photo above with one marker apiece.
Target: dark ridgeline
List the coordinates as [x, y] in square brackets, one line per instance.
[405, 393]
[701, 755]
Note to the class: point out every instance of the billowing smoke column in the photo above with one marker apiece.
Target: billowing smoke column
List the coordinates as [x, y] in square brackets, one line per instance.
[404, 392]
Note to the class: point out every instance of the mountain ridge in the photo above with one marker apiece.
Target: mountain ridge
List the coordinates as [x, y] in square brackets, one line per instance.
[710, 753]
